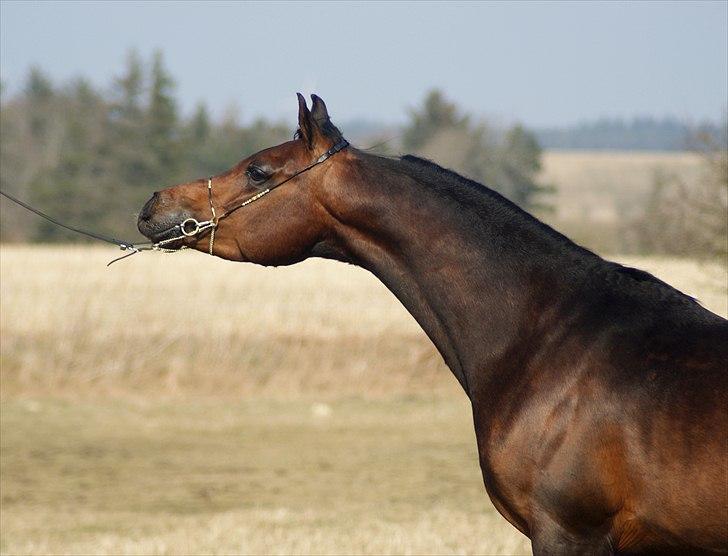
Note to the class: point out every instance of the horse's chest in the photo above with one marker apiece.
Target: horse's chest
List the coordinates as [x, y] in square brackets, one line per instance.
[534, 457]
[507, 472]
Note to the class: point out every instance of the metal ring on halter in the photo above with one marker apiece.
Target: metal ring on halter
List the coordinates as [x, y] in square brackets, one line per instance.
[194, 231]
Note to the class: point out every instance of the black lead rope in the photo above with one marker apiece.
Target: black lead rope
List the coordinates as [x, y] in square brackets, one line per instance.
[123, 245]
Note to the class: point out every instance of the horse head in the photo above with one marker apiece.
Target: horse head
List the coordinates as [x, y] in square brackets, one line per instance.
[266, 209]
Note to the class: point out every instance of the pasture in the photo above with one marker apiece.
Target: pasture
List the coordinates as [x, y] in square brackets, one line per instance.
[599, 193]
[601, 185]
[182, 404]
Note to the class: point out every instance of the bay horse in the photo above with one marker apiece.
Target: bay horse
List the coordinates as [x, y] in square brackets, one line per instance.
[598, 391]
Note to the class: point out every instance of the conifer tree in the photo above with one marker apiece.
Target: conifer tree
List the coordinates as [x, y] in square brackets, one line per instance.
[200, 125]
[507, 163]
[127, 156]
[435, 115]
[39, 94]
[161, 120]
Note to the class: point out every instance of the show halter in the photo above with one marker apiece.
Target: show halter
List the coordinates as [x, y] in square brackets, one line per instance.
[190, 227]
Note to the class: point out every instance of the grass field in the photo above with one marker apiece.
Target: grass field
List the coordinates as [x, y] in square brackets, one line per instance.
[601, 185]
[250, 477]
[598, 192]
[181, 404]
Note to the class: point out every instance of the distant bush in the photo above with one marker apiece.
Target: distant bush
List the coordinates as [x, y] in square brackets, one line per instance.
[688, 219]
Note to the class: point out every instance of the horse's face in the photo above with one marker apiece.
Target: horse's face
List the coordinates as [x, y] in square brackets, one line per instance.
[281, 227]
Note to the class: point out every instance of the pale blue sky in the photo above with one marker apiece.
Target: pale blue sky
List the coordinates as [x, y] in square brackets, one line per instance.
[541, 63]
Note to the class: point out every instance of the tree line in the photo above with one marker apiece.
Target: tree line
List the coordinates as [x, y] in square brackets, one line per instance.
[92, 157]
[637, 134]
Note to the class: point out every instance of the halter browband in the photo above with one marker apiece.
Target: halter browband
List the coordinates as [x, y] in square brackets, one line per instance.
[191, 227]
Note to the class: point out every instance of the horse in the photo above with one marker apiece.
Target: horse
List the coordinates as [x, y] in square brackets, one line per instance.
[598, 391]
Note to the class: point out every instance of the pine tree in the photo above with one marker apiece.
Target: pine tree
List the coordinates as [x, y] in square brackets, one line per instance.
[200, 125]
[509, 164]
[524, 148]
[162, 132]
[129, 88]
[195, 143]
[79, 114]
[522, 158]
[39, 94]
[125, 152]
[436, 114]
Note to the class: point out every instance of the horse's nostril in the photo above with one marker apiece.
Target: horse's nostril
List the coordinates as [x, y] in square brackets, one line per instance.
[146, 212]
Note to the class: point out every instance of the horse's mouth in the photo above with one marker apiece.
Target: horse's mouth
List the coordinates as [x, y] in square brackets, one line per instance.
[160, 222]
[171, 236]
[161, 231]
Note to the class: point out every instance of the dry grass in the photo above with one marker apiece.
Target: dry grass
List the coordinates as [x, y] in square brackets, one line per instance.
[600, 185]
[187, 323]
[598, 191]
[349, 477]
[182, 404]
[190, 324]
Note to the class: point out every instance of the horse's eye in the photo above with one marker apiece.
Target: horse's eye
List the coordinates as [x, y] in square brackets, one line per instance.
[256, 174]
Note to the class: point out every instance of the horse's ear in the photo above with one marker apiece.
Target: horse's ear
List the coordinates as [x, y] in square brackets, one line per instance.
[305, 121]
[318, 110]
[322, 121]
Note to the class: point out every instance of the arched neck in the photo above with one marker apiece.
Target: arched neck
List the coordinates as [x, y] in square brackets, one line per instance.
[462, 269]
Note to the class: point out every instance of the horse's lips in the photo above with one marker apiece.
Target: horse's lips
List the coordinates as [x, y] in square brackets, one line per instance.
[168, 234]
[159, 232]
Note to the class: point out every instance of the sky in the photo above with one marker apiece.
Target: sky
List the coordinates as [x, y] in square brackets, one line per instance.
[544, 64]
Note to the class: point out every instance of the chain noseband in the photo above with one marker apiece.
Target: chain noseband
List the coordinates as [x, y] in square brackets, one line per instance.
[191, 227]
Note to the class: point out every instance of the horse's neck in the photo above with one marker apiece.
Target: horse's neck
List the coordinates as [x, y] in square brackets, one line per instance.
[471, 296]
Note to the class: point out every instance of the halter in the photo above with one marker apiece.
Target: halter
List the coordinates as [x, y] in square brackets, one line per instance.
[191, 227]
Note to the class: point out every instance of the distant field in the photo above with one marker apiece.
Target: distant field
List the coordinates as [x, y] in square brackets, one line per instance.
[181, 404]
[601, 185]
[598, 191]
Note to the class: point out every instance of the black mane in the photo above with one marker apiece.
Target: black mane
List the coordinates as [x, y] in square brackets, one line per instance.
[468, 191]
[457, 181]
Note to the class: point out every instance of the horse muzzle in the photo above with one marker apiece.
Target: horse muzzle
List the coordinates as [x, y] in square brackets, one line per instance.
[158, 222]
